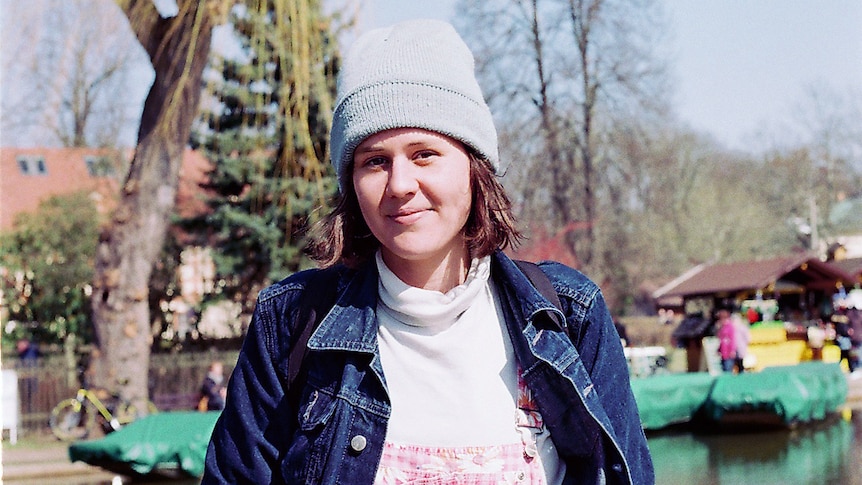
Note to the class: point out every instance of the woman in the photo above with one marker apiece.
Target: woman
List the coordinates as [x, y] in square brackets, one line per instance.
[726, 340]
[438, 361]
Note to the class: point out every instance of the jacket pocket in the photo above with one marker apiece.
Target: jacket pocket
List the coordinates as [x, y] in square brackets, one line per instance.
[316, 411]
[311, 446]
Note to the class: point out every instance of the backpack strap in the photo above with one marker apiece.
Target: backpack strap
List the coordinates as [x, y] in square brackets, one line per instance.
[541, 281]
[317, 298]
[543, 284]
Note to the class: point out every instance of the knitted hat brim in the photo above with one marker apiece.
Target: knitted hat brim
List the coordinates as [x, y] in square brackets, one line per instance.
[375, 108]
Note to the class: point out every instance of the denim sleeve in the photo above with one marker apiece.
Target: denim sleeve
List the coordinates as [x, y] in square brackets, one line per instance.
[602, 353]
[252, 429]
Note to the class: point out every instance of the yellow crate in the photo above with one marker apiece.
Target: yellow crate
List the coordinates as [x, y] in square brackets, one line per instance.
[774, 354]
[768, 335]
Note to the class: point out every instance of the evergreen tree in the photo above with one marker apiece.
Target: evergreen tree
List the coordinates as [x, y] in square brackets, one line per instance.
[266, 134]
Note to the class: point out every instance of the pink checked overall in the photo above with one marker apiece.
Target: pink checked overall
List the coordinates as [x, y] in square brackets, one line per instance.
[515, 463]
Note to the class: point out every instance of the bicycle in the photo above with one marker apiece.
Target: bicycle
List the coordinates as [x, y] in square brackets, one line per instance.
[75, 418]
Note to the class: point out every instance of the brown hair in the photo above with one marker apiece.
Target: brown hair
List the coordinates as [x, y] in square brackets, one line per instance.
[343, 237]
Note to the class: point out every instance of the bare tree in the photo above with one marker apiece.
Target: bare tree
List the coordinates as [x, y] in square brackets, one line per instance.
[178, 47]
[18, 105]
[830, 123]
[67, 73]
[559, 74]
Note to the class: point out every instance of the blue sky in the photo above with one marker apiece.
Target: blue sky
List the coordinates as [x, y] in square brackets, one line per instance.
[741, 66]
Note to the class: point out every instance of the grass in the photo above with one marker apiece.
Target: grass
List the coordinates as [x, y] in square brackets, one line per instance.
[33, 441]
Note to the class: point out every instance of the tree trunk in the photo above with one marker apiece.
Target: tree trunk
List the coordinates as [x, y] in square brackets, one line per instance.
[178, 48]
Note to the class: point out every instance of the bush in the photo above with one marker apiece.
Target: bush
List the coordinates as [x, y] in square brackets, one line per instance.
[48, 265]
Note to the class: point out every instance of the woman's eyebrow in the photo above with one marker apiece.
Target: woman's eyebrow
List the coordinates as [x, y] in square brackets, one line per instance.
[369, 149]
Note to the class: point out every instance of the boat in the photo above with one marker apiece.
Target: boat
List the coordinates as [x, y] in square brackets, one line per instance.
[782, 396]
[168, 445]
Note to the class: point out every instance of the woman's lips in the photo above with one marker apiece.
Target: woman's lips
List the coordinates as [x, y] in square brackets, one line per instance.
[407, 216]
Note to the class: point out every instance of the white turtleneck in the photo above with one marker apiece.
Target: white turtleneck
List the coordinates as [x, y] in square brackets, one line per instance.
[449, 367]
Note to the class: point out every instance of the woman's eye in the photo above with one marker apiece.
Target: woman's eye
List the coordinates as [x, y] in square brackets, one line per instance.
[425, 154]
[374, 162]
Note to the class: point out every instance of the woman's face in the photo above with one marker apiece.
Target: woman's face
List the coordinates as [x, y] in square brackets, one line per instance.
[413, 188]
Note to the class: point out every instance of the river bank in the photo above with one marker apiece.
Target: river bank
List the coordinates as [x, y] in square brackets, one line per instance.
[39, 456]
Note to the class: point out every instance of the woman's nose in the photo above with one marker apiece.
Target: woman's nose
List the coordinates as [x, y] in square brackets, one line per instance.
[402, 178]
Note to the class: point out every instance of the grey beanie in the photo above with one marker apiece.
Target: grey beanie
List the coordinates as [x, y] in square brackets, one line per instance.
[414, 74]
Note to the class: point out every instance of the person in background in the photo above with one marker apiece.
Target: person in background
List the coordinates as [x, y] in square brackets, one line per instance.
[28, 358]
[843, 334]
[726, 340]
[621, 331]
[438, 360]
[213, 391]
[817, 339]
[28, 352]
[742, 337]
[854, 321]
[853, 333]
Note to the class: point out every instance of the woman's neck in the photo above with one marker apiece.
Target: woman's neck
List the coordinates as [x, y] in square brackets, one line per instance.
[441, 273]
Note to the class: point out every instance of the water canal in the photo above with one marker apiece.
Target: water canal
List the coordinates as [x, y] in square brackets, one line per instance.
[828, 452]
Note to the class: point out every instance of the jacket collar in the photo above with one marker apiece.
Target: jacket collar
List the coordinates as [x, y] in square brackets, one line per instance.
[351, 324]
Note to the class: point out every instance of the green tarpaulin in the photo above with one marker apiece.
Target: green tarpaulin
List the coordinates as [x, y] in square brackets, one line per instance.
[163, 442]
[797, 393]
[793, 394]
[671, 398]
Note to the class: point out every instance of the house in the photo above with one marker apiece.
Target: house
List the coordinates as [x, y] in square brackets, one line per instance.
[799, 283]
[783, 294]
[29, 176]
[851, 266]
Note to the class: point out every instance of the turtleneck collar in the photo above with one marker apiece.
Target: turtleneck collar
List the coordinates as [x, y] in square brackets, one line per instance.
[418, 307]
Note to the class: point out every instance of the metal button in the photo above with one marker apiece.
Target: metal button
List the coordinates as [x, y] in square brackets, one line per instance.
[358, 443]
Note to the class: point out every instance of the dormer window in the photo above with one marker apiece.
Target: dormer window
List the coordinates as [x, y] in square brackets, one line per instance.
[32, 165]
[99, 166]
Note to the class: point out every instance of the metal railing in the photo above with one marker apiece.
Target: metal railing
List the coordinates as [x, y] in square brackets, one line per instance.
[174, 382]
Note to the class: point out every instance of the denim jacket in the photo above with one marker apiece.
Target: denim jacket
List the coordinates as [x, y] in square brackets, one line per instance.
[336, 431]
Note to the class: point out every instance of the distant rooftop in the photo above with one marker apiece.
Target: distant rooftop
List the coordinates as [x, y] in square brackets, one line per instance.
[30, 175]
[798, 269]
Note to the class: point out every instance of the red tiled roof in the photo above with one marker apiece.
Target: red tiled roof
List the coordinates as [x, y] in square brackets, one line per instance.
[66, 172]
[801, 269]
